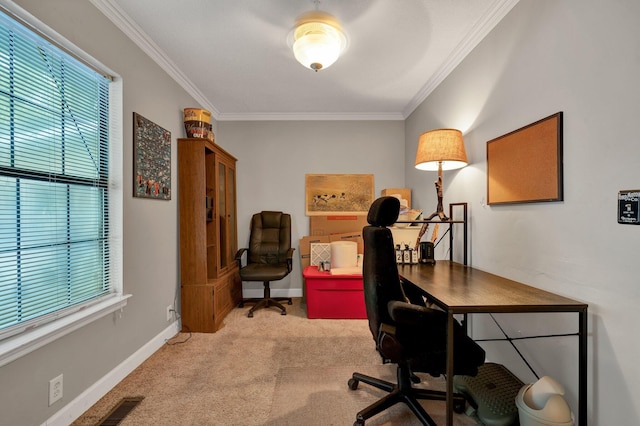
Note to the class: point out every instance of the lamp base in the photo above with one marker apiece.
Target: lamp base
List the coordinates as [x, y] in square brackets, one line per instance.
[440, 214]
[439, 208]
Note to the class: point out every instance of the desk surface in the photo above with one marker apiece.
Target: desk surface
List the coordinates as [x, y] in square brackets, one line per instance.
[460, 289]
[463, 289]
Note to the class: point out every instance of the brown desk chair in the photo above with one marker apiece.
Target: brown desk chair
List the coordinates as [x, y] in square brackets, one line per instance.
[406, 332]
[269, 256]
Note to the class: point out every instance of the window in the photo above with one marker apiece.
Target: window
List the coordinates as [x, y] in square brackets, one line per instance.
[55, 222]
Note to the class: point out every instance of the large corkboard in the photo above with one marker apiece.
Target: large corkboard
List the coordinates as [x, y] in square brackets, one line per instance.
[525, 166]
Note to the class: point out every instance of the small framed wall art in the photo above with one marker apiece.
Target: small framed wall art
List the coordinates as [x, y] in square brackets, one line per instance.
[151, 159]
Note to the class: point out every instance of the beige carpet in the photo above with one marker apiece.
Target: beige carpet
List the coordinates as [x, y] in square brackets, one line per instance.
[327, 399]
[267, 370]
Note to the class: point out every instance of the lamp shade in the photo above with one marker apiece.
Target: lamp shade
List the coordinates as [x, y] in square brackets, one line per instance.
[318, 40]
[441, 146]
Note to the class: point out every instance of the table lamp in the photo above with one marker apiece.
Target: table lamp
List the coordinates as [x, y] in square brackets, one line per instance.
[440, 149]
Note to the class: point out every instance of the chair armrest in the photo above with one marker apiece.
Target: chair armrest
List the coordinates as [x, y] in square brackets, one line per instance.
[406, 314]
[290, 259]
[412, 294]
[238, 256]
[387, 343]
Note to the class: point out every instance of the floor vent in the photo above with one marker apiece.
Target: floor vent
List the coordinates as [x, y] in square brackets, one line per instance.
[120, 411]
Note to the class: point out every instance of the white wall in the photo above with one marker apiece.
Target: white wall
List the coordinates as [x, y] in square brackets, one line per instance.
[150, 270]
[581, 57]
[274, 157]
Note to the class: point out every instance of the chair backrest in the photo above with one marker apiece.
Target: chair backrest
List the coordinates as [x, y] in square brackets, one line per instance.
[270, 237]
[379, 269]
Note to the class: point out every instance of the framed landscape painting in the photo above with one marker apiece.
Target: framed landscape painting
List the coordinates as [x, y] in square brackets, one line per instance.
[338, 194]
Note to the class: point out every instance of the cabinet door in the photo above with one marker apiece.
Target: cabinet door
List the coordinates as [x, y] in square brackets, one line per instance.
[209, 219]
[226, 212]
[198, 313]
[223, 255]
[231, 211]
[227, 294]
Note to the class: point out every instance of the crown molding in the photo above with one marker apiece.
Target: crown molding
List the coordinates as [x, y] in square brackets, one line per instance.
[116, 15]
[485, 24]
[119, 17]
[316, 116]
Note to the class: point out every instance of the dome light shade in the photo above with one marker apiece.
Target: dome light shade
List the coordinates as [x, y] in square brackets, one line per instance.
[318, 40]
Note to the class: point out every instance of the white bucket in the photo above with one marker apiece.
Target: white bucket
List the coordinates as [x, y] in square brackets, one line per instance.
[344, 254]
[542, 404]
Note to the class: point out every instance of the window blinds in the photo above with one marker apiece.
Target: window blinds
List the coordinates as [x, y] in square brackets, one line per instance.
[54, 193]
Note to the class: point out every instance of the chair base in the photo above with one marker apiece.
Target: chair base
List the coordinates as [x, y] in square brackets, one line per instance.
[403, 391]
[266, 301]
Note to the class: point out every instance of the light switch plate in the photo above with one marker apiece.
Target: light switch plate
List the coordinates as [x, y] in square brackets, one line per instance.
[628, 206]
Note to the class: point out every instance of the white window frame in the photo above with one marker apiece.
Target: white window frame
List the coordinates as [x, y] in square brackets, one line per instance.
[40, 334]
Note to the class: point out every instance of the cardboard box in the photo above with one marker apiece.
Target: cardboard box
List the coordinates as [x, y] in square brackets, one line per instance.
[327, 225]
[407, 235]
[404, 193]
[350, 236]
[305, 248]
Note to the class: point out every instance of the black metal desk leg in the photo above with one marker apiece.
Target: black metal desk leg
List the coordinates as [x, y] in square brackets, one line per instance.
[450, 349]
[582, 368]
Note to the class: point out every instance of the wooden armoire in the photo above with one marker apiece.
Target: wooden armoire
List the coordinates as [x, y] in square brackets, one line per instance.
[209, 279]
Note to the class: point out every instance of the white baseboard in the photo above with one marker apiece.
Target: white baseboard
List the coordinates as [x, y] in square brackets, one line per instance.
[92, 394]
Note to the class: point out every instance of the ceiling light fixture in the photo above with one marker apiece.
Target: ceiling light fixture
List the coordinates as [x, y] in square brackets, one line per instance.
[318, 40]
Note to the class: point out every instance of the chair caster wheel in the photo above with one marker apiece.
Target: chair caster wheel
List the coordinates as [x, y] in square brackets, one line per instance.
[459, 407]
[250, 315]
[290, 302]
[353, 385]
[283, 313]
[358, 423]
[241, 305]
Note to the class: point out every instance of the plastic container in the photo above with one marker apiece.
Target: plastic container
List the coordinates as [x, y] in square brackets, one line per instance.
[333, 296]
[542, 404]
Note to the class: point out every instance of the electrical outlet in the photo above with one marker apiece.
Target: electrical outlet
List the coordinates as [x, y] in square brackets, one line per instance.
[169, 312]
[55, 389]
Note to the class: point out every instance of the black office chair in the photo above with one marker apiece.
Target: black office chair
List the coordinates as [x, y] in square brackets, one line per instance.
[406, 332]
[269, 256]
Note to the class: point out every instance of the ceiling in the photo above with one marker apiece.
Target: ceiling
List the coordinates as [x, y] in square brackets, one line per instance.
[234, 58]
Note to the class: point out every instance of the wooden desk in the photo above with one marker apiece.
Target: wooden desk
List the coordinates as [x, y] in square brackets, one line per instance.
[460, 289]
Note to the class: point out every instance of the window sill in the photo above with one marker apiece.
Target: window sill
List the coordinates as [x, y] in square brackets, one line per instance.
[17, 346]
